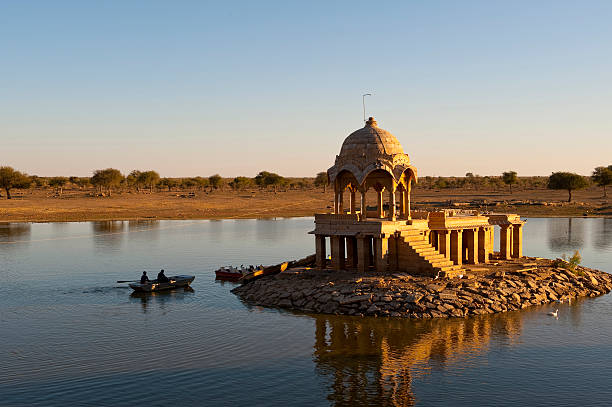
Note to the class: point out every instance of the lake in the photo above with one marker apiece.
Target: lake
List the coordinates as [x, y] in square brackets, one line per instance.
[72, 336]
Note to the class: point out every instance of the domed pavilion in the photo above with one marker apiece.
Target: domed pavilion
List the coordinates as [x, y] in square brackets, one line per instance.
[372, 158]
[389, 236]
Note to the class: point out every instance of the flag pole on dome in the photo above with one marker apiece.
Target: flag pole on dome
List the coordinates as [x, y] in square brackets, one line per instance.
[363, 102]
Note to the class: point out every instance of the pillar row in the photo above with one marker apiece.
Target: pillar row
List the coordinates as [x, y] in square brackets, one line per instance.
[337, 252]
[320, 250]
[456, 246]
[505, 240]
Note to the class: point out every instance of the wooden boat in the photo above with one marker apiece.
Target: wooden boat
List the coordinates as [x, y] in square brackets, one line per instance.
[266, 271]
[175, 282]
[232, 274]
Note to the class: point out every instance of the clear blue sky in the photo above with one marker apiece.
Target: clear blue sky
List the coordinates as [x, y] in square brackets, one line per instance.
[194, 88]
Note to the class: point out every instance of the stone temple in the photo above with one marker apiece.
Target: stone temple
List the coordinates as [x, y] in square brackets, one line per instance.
[391, 237]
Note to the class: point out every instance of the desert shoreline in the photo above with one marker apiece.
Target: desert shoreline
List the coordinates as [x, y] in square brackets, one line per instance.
[80, 206]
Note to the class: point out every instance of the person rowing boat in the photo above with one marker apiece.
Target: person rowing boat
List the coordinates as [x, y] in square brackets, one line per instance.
[161, 277]
[144, 278]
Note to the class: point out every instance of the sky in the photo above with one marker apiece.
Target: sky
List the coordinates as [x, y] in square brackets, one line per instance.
[192, 88]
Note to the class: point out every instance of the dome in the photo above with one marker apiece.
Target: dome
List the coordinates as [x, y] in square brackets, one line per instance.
[370, 142]
[368, 149]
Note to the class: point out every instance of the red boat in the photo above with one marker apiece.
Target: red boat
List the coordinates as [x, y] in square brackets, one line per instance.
[228, 274]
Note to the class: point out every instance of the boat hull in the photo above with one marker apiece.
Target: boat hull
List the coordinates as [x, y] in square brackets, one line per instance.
[227, 275]
[175, 282]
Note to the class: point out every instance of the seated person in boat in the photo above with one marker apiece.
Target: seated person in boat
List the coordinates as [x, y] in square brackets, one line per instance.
[161, 277]
[144, 279]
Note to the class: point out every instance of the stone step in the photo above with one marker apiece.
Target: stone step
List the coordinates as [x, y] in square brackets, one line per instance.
[426, 250]
[434, 257]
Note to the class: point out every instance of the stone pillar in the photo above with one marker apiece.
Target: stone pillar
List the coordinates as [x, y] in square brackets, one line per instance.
[352, 200]
[341, 202]
[364, 206]
[408, 216]
[335, 201]
[379, 203]
[393, 254]
[321, 254]
[381, 249]
[505, 242]
[472, 246]
[351, 252]
[456, 246]
[363, 254]
[402, 204]
[491, 247]
[391, 205]
[444, 245]
[517, 241]
[337, 252]
[483, 245]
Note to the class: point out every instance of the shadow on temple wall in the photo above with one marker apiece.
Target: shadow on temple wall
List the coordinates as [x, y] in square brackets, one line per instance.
[565, 234]
[10, 232]
[371, 361]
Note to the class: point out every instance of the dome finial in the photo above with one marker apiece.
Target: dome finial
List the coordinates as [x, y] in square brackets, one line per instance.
[371, 122]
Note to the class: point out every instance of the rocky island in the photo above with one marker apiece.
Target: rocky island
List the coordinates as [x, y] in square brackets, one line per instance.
[388, 260]
[504, 285]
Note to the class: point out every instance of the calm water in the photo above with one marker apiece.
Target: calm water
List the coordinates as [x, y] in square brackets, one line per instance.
[71, 336]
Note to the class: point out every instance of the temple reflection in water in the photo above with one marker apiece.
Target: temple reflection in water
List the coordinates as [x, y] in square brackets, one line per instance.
[372, 361]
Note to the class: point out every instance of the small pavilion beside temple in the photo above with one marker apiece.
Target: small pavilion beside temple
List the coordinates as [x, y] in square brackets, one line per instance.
[392, 237]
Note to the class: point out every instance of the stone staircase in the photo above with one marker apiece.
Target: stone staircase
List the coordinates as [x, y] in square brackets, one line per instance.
[415, 254]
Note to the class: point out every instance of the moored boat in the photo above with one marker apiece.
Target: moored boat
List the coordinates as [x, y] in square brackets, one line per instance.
[234, 274]
[174, 282]
[228, 274]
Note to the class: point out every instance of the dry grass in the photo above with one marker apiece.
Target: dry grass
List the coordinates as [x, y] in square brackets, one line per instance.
[74, 205]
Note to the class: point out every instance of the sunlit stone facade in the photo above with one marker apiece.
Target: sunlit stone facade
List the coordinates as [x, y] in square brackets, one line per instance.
[392, 237]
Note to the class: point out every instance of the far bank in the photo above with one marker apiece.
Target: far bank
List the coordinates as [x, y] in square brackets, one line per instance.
[75, 205]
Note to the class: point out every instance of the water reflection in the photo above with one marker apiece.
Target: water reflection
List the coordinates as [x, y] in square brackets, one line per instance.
[10, 232]
[566, 234]
[602, 233]
[160, 298]
[135, 225]
[108, 234]
[371, 361]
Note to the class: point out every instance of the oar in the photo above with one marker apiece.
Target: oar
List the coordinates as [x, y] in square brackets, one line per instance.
[128, 281]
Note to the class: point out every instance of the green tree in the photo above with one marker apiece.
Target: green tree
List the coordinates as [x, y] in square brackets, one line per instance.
[38, 181]
[134, 179]
[168, 183]
[215, 181]
[82, 182]
[265, 179]
[9, 179]
[509, 178]
[58, 183]
[187, 183]
[240, 183]
[568, 181]
[108, 178]
[201, 182]
[148, 179]
[322, 180]
[602, 176]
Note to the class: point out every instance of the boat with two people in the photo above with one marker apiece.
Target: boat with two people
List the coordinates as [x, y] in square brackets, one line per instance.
[161, 283]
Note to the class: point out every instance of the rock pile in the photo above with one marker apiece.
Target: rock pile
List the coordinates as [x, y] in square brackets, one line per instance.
[402, 295]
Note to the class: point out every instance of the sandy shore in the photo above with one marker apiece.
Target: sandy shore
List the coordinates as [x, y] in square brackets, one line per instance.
[75, 205]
